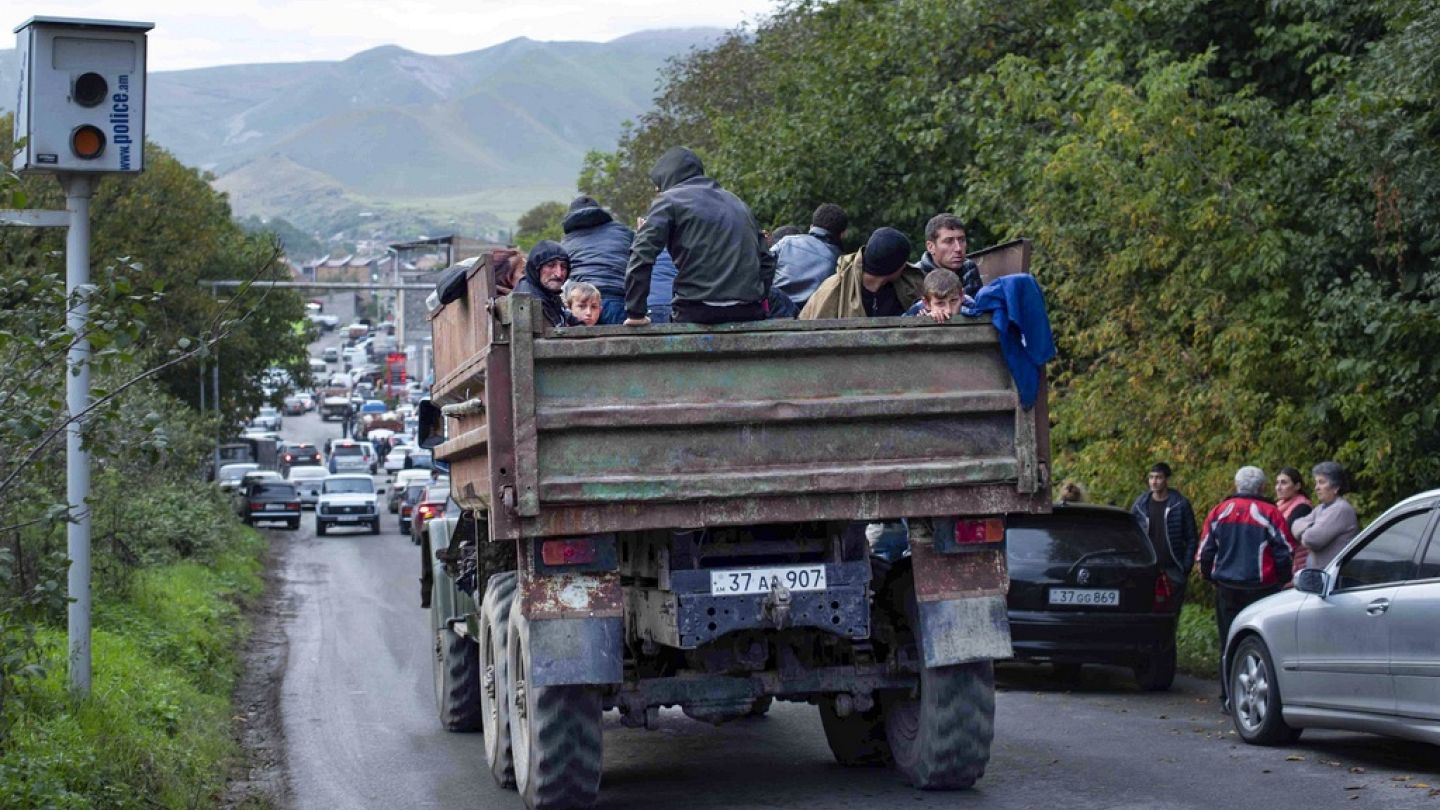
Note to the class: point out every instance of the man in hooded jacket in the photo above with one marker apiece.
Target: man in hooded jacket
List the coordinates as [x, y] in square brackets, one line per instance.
[599, 248]
[724, 267]
[871, 282]
[546, 270]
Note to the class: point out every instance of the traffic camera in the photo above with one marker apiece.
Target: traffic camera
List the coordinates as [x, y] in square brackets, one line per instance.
[81, 107]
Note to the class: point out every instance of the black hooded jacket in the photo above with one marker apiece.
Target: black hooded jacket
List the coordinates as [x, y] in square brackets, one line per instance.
[544, 252]
[711, 234]
[598, 246]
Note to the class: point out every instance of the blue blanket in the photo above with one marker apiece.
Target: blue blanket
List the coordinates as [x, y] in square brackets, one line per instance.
[1019, 316]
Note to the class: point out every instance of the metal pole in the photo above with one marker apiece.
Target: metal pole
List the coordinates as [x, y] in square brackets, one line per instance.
[78, 189]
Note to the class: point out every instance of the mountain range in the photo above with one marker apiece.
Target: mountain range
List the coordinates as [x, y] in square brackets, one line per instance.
[394, 139]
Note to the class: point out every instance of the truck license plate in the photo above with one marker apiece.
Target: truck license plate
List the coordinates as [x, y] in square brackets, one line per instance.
[1093, 597]
[764, 580]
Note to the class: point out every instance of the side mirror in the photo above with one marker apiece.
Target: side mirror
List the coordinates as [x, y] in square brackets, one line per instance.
[432, 425]
[380, 491]
[1311, 580]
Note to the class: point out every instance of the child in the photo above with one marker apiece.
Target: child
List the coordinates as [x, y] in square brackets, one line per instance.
[943, 296]
[584, 302]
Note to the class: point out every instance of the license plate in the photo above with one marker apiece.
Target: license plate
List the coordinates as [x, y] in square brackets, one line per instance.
[764, 580]
[1089, 597]
[275, 507]
[349, 518]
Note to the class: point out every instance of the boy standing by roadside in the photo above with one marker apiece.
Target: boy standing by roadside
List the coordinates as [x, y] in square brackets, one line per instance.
[1168, 520]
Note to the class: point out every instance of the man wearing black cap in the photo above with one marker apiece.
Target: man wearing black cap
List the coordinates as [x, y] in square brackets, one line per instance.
[724, 265]
[873, 282]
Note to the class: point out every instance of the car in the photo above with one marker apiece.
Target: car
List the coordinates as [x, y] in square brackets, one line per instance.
[1086, 588]
[307, 398]
[330, 354]
[348, 500]
[293, 405]
[257, 432]
[298, 454]
[373, 406]
[1352, 646]
[403, 479]
[430, 505]
[269, 418]
[270, 501]
[307, 481]
[406, 505]
[395, 459]
[419, 460]
[350, 455]
[230, 474]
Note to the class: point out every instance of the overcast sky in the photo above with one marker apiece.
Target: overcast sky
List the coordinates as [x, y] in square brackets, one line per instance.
[191, 34]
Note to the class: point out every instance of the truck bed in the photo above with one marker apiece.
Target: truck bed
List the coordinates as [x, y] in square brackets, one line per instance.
[587, 430]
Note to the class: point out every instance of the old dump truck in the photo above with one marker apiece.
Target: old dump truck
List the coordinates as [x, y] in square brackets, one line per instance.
[675, 516]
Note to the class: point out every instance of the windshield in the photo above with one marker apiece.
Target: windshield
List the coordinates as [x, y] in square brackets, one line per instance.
[349, 485]
[267, 411]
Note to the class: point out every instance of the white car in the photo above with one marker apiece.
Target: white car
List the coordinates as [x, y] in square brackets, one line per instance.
[395, 460]
[351, 455]
[1354, 646]
[230, 474]
[348, 500]
[308, 481]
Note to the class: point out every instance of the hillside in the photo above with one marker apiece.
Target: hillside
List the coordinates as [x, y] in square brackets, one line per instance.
[472, 138]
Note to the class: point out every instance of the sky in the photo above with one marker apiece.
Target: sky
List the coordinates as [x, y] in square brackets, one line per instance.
[195, 33]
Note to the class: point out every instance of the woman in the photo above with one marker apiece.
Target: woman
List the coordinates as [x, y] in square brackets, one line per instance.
[1333, 523]
[1290, 499]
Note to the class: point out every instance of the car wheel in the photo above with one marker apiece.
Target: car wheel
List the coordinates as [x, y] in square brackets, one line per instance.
[1255, 705]
[375, 526]
[293, 524]
[319, 529]
[1157, 673]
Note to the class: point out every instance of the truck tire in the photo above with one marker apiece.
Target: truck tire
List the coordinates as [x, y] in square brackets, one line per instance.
[940, 738]
[494, 699]
[554, 733]
[858, 739]
[457, 675]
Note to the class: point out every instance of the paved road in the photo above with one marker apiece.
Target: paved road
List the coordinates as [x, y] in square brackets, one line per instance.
[361, 733]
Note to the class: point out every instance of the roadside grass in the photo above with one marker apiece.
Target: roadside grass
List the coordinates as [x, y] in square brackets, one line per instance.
[1197, 642]
[156, 729]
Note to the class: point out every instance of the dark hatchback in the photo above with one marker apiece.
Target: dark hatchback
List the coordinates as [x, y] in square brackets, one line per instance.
[271, 501]
[1085, 588]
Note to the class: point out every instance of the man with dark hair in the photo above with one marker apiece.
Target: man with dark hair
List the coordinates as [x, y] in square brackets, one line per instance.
[723, 267]
[945, 245]
[599, 248]
[873, 282]
[1168, 520]
[804, 261]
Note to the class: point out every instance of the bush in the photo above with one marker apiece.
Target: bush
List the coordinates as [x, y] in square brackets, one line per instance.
[1197, 641]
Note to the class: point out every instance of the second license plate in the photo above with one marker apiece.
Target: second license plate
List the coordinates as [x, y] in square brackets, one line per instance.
[764, 580]
[1094, 597]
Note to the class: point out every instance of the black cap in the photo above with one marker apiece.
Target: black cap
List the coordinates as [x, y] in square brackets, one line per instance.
[584, 201]
[886, 252]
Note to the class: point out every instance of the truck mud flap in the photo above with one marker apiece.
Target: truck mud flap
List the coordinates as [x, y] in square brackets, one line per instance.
[961, 598]
[576, 651]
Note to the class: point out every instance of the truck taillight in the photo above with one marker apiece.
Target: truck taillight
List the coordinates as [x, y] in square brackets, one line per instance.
[1164, 593]
[989, 530]
[568, 552]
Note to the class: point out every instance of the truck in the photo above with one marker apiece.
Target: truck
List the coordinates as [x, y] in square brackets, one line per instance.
[679, 516]
[334, 403]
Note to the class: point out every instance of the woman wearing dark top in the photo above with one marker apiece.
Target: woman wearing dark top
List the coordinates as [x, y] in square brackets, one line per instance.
[1293, 504]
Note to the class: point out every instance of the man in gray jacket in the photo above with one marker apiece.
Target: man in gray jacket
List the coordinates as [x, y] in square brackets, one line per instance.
[724, 268]
[804, 261]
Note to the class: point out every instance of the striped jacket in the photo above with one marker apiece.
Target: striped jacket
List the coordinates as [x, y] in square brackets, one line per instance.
[1246, 544]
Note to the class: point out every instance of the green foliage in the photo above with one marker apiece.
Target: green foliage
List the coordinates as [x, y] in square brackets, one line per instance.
[1197, 642]
[298, 245]
[540, 222]
[1235, 206]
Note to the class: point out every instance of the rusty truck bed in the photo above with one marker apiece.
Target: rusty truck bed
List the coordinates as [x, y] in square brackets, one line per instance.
[600, 429]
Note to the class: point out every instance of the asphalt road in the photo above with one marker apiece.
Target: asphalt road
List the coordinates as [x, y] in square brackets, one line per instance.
[361, 732]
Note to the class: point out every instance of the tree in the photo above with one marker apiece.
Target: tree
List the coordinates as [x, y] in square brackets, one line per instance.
[540, 222]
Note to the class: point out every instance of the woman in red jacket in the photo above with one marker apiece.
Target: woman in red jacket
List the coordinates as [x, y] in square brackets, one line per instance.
[1290, 499]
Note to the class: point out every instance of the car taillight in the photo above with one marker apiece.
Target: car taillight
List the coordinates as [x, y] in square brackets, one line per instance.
[405, 509]
[568, 552]
[256, 505]
[295, 505]
[990, 530]
[1164, 593]
[289, 457]
[425, 511]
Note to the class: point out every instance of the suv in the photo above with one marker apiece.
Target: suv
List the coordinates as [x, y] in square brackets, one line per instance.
[348, 500]
[1085, 588]
[299, 454]
[352, 456]
[270, 500]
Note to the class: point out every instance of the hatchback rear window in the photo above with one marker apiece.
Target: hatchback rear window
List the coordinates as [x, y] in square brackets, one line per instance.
[1067, 535]
[351, 450]
[277, 491]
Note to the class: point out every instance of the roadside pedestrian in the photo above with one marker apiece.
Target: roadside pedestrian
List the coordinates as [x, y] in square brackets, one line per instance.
[723, 265]
[599, 248]
[1333, 522]
[945, 247]
[805, 260]
[869, 283]
[1168, 520]
[1245, 552]
[546, 270]
[584, 302]
[1290, 499]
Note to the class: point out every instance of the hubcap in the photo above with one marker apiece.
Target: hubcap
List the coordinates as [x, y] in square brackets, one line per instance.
[1252, 691]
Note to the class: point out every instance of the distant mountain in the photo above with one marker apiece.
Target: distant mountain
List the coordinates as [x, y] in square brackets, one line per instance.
[472, 137]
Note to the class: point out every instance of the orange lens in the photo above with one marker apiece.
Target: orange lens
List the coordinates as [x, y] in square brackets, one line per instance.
[87, 142]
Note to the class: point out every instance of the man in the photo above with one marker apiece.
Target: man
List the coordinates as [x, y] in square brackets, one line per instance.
[1245, 552]
[945, 246]
[804, 261]
[599, 248]
[873, 282]
[723, 267]
[1168, 519]
[546, 270]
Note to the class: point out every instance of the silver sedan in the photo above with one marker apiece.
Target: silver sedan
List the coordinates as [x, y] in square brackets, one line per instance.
[1355, 646]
